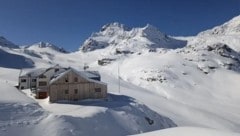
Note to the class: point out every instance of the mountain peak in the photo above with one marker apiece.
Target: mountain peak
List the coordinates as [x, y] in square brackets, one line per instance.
[150, 27]
[44, 44]
[47, 45]
[115, 26]
[152, 32]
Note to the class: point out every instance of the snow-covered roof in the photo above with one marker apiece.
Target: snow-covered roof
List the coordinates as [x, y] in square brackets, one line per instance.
[84, 74]
[34, 73]
[57, 76]
[91, 74]
[39, 71]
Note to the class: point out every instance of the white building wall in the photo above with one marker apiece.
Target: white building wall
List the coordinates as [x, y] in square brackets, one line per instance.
[24, 85]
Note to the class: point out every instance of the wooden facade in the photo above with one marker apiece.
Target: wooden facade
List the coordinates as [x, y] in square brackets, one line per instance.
[71, 85]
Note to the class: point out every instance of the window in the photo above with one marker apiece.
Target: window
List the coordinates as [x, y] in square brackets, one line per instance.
[75, 79]
[42, 76]
[98, 90]
[34, 80]
[56, 70]
[66, 79]
[42, 83]
[23, 80]
[66, 92]
[75, 91]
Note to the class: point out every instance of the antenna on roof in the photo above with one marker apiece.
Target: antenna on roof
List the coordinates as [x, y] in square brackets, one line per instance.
[118, 79]
[20, 72]
[19, 78]
[85, 66]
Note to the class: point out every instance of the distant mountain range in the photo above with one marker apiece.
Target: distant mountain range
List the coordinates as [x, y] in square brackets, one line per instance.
[121, 37]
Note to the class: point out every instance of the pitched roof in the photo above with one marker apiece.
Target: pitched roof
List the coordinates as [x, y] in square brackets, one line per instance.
[39, 71]
[34, 73]
[91, 74]
[84, 74]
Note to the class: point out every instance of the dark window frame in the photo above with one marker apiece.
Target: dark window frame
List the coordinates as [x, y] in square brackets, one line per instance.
[98, 90]
[75, 91]
[42, 76]
[66, 80]
[75, 79]
[42, 83]
[23, 80]
[56, 70]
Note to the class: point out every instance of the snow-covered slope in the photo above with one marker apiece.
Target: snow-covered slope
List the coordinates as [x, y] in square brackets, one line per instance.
[196, 85]
[6, 43]
[228, 33]
[117, 36]
[189, 131]
[39, 54]
[22, 116]
[10, 60]
[120, 115]
[231, 27]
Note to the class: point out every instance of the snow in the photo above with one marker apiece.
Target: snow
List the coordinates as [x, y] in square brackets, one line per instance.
[10, 94]
[196, 101]
[9, 76]
[17, 111]
[21, 113]
[7, 59]
[189, 131]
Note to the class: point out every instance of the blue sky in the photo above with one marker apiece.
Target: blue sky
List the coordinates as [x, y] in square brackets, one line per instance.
[67, 23]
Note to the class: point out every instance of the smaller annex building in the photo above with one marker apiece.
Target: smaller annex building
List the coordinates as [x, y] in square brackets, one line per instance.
[76, 85]
[38, 80]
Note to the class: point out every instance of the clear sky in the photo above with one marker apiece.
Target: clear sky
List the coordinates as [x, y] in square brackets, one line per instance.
[67, 23]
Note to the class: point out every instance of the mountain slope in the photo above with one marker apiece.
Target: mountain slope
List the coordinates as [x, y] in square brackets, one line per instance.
[10, 60]
[231, 27]
[196, 85]
[189, 131]
[39, 54]
[227, 33]
[6, 43]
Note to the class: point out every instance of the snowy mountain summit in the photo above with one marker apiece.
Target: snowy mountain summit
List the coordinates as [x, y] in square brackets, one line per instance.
[118, 36]
[114, 27]
[5, 43]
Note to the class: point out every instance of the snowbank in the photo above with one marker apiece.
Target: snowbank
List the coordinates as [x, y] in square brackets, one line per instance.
[189, 131]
